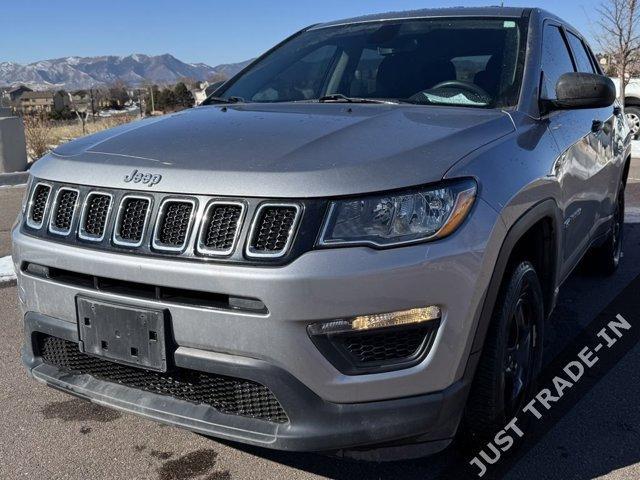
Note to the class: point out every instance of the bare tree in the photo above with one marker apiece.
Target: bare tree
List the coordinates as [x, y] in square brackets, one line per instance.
[619, 36]
[80, 104]
[37, 129]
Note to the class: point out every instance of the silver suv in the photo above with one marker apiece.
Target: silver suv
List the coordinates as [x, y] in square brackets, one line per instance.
[354, 243]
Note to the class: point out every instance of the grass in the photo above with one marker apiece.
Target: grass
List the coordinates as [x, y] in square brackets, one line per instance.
[44, 135]
[62, 132]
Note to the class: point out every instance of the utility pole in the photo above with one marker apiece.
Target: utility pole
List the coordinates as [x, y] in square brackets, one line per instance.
[153, 105]
[140, 100]
[93, 106]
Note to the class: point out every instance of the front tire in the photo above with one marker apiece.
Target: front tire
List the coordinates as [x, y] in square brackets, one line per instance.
[511, 357]
[605, 259]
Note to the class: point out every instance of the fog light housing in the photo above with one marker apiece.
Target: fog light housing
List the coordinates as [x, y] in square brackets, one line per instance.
[378, 320]
[379, 342]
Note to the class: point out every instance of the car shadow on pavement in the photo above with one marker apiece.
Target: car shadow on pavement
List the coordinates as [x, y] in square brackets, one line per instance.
[595, 428]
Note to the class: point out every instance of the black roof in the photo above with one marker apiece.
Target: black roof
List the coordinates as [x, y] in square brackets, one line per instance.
[434, 12]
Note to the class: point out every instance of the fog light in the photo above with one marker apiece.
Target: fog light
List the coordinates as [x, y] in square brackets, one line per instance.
[379, 320]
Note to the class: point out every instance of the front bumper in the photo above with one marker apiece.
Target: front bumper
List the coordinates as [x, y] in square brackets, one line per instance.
[314, 424]
[320, 285]
[327, 410]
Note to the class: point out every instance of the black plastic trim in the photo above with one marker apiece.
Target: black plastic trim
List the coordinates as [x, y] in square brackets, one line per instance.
[315, 424]
[334, 351]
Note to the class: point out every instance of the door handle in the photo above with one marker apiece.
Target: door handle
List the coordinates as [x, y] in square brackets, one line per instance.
[596, 126]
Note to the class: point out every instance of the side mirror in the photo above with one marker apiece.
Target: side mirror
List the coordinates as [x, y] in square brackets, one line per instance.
[583, 90]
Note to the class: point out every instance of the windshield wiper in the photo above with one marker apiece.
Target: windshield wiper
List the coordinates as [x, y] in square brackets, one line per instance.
[339, 98]
[212, 100]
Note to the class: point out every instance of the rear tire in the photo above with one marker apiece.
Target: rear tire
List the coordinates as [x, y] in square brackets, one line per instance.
[604, 260]
[511, 357]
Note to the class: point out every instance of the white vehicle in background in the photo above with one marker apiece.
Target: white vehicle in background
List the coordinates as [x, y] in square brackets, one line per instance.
[631, 104]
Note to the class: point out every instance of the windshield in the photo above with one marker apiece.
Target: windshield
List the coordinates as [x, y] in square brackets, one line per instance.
[474, 62]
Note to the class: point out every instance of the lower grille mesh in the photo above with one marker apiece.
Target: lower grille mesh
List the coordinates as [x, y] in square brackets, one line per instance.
[384, 346]
[226, 394]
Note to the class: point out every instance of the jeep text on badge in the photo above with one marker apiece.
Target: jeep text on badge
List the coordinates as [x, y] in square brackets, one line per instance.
[149, 179]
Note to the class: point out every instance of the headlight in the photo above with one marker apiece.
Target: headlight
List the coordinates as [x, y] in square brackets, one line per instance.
[399, 217]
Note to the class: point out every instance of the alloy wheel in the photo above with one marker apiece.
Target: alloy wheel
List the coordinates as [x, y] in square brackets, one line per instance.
[520, 352]
[634, 122]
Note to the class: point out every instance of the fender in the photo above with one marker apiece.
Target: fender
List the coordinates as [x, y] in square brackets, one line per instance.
[545, 209]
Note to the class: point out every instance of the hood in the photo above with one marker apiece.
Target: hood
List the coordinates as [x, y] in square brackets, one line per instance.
[283, 150]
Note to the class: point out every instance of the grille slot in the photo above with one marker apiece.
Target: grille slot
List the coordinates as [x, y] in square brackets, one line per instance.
[220, 228]
[63, 211]
[229, 395]
[95, 214]
[38, 205]
[173, 225]
[158, 293]
[131, 224]
[273, 230]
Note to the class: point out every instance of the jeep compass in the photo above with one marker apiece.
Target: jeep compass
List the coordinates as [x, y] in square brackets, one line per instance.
[352, 244]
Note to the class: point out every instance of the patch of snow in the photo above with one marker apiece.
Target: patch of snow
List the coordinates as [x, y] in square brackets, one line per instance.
[7, 273]
[635, 149]
[19, 185]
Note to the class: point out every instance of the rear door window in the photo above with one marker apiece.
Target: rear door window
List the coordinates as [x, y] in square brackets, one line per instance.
[580, 54]
[556, 60]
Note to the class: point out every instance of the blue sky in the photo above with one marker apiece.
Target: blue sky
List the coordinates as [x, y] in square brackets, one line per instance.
[212, 32]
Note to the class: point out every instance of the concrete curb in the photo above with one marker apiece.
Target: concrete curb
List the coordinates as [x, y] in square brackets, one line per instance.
[8, 283]
[15, 178]
[632, 215]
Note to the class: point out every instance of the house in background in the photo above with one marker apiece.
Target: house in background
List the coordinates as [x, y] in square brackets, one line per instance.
[199, 91]
[10, 96]
[43, 102]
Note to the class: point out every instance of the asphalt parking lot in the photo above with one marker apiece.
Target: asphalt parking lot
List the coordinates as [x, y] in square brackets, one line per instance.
[46, 434]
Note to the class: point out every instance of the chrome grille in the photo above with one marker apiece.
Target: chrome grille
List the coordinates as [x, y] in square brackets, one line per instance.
[220, 228]
[63, 211]
[94, 216]
[174, 223]
[132, 220]
[205, 227]
[273, 230]
[38, 205]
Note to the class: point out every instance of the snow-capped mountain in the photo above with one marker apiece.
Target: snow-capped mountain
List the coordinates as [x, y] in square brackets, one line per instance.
[73, 73]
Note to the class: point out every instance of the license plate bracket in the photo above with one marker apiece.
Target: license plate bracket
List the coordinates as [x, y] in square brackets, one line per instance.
[121, 333]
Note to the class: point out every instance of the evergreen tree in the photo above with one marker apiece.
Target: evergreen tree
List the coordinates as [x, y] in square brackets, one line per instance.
[184, 98]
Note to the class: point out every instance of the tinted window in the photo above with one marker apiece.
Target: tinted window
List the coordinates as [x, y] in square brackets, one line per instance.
[364, 78]
[445, 61]
[580, 54]
[556, 60]
[299, 81]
